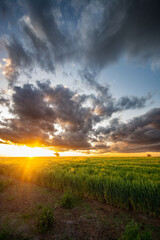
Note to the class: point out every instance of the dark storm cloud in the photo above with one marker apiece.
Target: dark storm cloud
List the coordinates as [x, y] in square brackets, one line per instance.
[141, 130]
[140, 134]
[24, 132]
[139, 148]
[4, 8]
[104, 29]
[101, 33]
[42, 18]
[7, 8]
[18, 58]
[22, 60]
[28, 103]
[17, 53]
[4, 101]
[126, 26]
[133, 102]
[40, 51]
[74, 141]
[38, 110]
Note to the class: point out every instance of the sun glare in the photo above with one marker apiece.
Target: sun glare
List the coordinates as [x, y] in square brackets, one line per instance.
[24, 151]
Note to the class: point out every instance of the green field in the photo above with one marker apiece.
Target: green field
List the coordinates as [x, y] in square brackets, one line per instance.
[129, 183]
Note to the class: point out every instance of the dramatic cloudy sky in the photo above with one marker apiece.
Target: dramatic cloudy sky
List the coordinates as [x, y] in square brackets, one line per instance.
[80, 76]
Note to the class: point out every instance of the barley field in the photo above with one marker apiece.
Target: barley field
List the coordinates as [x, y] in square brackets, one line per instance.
[128, 183]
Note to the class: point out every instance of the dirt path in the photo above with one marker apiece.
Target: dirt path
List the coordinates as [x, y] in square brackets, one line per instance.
[89, 219]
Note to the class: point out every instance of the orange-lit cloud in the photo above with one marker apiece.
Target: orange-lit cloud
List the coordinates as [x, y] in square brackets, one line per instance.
[46, 116]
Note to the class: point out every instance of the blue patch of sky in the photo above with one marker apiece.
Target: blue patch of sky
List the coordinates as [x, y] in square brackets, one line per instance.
[128, 79]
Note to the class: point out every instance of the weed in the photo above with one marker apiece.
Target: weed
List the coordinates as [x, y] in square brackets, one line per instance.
[40, 206]
[67, 200]
[8, 234]
[87, 207]
[10, 198]
[133, 231]
[4, 184]
[46, 219]
[26, 216]
[65, 237]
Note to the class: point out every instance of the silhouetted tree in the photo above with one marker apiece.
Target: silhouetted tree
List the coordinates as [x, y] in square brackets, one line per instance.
[56, 154]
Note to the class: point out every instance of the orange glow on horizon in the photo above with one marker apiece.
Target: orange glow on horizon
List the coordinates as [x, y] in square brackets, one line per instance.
[11, 150]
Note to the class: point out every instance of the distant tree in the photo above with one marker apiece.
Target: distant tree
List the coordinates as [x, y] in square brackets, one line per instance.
[149, 155]
[56, 154]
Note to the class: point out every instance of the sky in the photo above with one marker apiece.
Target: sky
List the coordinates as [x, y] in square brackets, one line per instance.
[79, 77]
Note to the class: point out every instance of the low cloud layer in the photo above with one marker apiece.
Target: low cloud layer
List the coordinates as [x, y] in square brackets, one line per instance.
[59, 117]
[138, 135]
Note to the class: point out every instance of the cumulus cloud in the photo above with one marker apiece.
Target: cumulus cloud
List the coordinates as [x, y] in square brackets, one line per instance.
[138, 135]
[133, 102]
[38, 110]
[4, 101]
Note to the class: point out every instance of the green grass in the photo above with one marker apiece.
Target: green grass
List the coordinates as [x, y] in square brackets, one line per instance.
[133, 231]
[130, 183]
[67, 200]
[4, 184]
[9, 234]
[45, 219]
[26, 216]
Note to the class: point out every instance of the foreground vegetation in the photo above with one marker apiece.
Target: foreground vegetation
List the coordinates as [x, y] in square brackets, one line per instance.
[130, 183]
[29, 212]
[132, 231]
